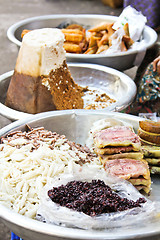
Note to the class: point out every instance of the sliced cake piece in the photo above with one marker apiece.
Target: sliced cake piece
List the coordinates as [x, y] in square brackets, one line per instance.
[130, 155]
[133, 170]
[113, 150]
[152, 156]
[117, 136]
[151, 151]
[149, 132]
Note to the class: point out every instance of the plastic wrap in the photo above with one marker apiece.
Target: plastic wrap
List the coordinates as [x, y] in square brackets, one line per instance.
[51, 212]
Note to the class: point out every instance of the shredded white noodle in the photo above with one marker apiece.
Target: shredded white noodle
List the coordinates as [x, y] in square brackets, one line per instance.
[24, 172]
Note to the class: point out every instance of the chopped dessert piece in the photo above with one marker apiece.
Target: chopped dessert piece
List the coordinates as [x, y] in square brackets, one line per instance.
[150, 126]
[130, 169]
[153, 138]
[119, 150]
[152, 156]
[41, 80]
[149, 132]
[112, 150]
[117, 136]
[154, 170]
[153, 161]
[151, 151]
[130, 155]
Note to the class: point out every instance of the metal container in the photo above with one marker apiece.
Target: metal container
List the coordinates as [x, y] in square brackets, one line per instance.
[120, 61]
[75, 124]
[116, 84]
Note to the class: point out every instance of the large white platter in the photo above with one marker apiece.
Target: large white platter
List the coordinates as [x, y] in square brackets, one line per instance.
[120, 61]
[116, 84]
[75, 124]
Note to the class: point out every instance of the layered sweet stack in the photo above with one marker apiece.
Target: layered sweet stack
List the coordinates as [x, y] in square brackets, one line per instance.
[119, 149]
[41, 80]
[149, 133]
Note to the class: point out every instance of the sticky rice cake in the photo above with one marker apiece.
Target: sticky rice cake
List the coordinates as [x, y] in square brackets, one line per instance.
[117, 142]
[130, 155]
[135, 171]
[42, 59]
[152, 156]
[151, 151]
[119, 150]
[113, 150]
[117, 136]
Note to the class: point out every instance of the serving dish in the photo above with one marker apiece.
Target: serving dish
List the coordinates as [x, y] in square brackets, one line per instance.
[116, 84]
[76, 127]
[120, 61]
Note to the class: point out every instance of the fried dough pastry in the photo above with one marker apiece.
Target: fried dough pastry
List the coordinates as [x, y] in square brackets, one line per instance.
[75, 26]
[73, 37]
[24, 32]
[97, 41]
[72, 47]
[126, 29]
[91, 50]
[102, 48]
[100, 27]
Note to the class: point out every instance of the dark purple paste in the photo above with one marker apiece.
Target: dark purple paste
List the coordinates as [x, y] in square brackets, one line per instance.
[92, 198]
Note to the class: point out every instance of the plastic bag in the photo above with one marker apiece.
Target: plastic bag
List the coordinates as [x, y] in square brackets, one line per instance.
[51, 212]
[136, 22]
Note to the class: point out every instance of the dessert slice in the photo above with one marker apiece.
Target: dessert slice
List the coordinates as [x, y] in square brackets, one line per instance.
[119, 150]
[130, 155]
[150, 151]
[117, 136]
[152, 156]
[149, 132]
[133, 170]
[117, 141]
[41, 80]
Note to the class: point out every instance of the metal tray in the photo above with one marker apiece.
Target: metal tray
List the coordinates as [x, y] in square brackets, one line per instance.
[120, 61]
[75, 124]
[116, 84]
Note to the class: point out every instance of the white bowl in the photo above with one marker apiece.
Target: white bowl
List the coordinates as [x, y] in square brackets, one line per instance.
[120, 61]
[116, 84]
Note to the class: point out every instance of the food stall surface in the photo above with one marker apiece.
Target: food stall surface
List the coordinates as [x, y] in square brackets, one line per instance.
[14, 11]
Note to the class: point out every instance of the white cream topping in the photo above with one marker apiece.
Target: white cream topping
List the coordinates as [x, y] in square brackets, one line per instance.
[41, 52]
